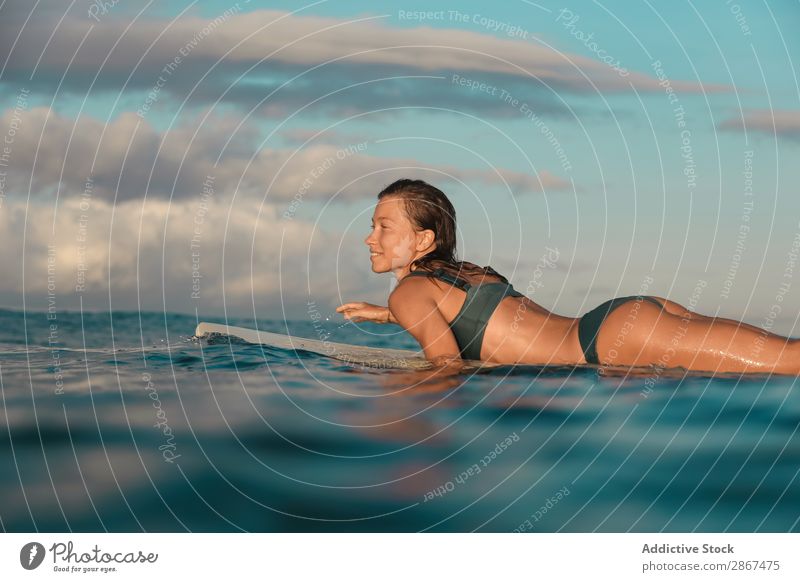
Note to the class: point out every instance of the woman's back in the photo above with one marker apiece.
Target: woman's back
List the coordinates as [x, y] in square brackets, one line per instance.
[493, 322]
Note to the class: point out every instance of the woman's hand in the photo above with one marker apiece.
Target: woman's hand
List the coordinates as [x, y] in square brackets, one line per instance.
[360, 311]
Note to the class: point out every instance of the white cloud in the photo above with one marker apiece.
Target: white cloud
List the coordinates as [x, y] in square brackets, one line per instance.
[243, 253]
[773, 121]
[127, 158]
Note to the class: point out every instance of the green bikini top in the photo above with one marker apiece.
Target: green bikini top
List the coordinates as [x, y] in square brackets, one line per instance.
[469, 324]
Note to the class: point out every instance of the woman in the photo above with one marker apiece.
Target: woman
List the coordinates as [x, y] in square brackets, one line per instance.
[458, 310]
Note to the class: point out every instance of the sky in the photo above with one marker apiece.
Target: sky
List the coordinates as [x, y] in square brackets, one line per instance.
[225, 157]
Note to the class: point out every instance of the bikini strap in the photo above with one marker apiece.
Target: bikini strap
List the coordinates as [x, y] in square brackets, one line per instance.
[444, 276]
[491, 271]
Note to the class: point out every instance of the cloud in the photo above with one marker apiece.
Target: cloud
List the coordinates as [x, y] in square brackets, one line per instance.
[127, 158]
[238, 253]
[302, 136]
[357, 64]
[785, 123]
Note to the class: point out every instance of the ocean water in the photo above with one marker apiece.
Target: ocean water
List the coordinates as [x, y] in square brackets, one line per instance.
[124, 422]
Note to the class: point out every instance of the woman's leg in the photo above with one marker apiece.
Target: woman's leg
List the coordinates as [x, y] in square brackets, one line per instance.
[677, 337]
[678, 309]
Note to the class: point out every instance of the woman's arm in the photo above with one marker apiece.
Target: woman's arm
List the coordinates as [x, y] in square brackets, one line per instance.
[417, 312]
[359, 311]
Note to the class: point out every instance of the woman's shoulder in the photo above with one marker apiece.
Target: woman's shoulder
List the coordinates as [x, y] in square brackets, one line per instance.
[468, 273]
[412, 295]
[412, 284]
[420, 285]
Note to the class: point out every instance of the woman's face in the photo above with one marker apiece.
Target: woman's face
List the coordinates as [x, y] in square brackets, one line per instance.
[393, 242]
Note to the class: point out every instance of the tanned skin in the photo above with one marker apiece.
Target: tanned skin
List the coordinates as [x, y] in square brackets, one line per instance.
[522, 332]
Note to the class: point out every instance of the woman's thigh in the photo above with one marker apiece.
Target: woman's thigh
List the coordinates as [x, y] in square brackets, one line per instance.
[675, 308]
[681, 311]
[646, 335]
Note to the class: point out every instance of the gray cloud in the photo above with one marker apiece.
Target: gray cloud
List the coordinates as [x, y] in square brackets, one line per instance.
[303, 136]
[127, 158]
[121, 51]
[778, 122]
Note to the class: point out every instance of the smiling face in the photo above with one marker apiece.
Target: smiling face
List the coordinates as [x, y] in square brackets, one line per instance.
[394, 243]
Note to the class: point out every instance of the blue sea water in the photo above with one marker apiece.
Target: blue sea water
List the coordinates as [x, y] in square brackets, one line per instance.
[123, 422]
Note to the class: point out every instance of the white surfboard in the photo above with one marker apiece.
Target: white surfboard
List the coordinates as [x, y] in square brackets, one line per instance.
[388, 358]
[358, 355]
